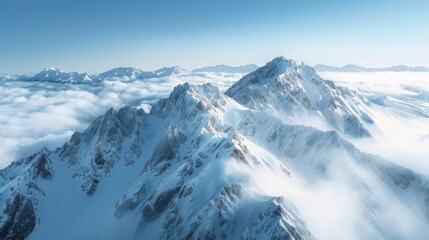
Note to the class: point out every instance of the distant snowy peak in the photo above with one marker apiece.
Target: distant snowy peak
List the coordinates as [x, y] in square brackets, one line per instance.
[56, 75]
[136, 73]
[292, 90]
[167, 71]
[228, 69]
[125, 72]
[356, 68]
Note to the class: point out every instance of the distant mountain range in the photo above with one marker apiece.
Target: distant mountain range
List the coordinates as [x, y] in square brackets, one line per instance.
[55, 75]
[228, 69]
[136, 73]
[356, 68]
[59, 76]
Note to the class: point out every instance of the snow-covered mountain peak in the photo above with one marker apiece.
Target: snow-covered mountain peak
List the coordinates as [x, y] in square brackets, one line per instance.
[56, 75]
[283, 62]
[280, 69]
[52, 69]
[49, 73]
[190, 102]
[292, 90]
[136, 73]
[167, 71]
[121, 72]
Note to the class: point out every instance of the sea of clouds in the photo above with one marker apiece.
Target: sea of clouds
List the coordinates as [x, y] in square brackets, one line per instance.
[34, 115]
[400, 102]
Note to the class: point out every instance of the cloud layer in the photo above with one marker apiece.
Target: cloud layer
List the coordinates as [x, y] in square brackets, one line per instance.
[38, 114]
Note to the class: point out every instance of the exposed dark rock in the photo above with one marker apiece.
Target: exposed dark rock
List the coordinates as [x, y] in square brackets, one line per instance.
[43, 167]
[19, 218]
[131, 203]
[92, 187]
[167, 147]
[161, 203]
[99, 160]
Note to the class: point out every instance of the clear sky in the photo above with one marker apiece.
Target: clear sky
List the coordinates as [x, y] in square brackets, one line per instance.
[89, 35]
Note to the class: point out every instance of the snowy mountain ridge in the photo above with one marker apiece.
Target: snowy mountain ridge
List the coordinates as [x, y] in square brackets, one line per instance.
[56, 75]
[136, 73]
[292, 90]
[204, 164]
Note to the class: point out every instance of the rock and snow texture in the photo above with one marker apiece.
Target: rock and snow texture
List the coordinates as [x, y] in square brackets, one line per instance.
[167, 71]
[56, 75]
[294, 91]
[136, 73]
[206, 165]
[126, 72]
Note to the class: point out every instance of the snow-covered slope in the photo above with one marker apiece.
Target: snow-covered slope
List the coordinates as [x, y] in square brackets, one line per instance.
[294, 91]
[200, 165]
[56, 75]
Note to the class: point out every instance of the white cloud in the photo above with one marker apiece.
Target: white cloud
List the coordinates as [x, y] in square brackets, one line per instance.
[401, 129]
[35, 114]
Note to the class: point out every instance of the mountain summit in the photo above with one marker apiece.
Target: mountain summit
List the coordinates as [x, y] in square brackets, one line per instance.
[293, 91]
[167, 71]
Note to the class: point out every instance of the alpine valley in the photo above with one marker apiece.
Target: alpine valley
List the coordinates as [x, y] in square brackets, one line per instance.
[275, 156]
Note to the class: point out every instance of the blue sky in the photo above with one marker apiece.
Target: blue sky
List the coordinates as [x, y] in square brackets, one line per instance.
[97, 35]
